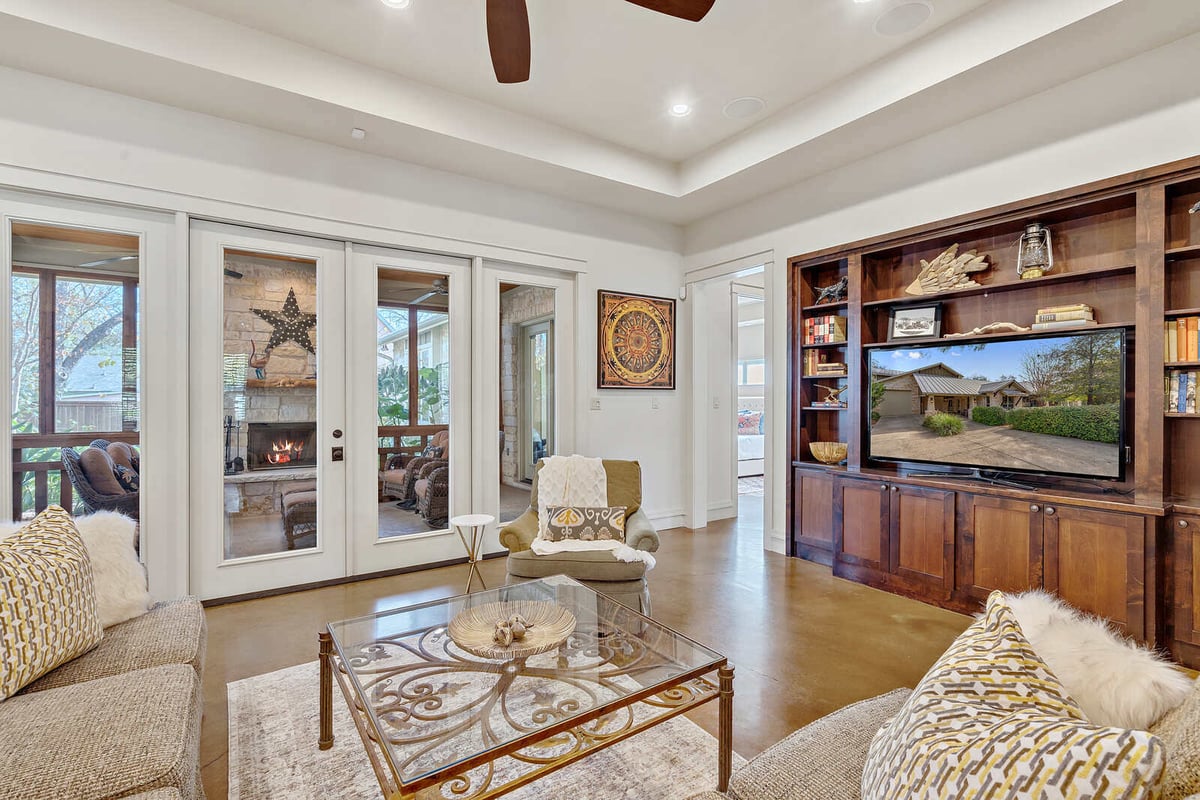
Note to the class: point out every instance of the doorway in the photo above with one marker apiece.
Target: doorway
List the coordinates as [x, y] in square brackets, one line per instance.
[749, 390]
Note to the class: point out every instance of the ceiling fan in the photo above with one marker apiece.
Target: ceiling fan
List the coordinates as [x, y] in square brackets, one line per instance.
[439, 289]
[508, 31]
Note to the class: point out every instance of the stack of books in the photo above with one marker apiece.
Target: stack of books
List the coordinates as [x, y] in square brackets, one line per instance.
[1181, 339]
[1073, 316]
[1181, 392]
[815, 365]
[822, 330]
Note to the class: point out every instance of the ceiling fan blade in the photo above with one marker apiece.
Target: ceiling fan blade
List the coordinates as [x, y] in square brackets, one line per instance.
[425, 297]
[691, 10]
[508, 38]
[112, 260]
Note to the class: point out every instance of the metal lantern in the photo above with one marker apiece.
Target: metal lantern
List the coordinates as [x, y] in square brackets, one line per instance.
[1035, 255]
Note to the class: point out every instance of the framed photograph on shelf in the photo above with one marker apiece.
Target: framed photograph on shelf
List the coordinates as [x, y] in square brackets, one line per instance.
[915, 322]
[636, 341]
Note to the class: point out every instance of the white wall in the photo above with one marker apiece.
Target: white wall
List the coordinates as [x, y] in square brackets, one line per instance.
[67, 138]
[716, 299]
[1136, 114]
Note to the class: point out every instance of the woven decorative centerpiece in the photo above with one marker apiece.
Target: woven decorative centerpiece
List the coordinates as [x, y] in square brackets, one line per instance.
[509, 630]
[828, 452]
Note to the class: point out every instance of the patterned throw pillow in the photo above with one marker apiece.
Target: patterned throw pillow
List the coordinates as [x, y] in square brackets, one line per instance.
[129, 480]
[432, 451]
[749, 423]
[601, 524]
[990, 720]
[47, 600]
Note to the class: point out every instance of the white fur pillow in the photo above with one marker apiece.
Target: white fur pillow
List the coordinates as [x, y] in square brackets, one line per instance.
[119, 577]
[1116, 682]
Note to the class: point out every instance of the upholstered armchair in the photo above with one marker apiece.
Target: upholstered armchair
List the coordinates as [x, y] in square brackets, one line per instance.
[599, 569]
[402, 470]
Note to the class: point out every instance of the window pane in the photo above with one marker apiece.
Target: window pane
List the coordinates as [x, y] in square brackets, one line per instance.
[756, 373]
[433, 368]
[25, 372]
[88, 355]
[392, 360]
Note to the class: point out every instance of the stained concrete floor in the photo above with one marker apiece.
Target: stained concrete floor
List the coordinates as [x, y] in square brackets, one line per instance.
[803, 642]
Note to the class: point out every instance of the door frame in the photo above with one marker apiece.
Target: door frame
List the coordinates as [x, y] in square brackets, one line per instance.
[486, 488]
[163, 346]
[212, 575]
[366, 553]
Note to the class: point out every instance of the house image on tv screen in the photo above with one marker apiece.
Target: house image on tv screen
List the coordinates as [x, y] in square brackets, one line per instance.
[938, 388]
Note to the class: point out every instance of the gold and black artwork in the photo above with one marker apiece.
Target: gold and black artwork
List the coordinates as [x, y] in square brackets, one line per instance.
[636, 342]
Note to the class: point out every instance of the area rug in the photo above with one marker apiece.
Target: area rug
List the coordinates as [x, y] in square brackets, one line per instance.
[753, 485]
[273, 752]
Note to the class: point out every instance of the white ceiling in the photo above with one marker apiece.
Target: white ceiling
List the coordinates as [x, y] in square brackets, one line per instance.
[591, 124]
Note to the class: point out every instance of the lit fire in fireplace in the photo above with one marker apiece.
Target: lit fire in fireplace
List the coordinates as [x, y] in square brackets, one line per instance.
[284, 451]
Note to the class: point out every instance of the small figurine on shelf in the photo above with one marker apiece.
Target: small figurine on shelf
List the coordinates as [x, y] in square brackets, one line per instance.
[832, 396]
[834, 293]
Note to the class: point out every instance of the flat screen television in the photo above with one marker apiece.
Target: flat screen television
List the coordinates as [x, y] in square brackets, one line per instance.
[1031, 404]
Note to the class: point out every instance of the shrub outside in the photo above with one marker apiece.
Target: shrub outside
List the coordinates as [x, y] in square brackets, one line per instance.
[989, 415]
[944, 424]
[1090, 423]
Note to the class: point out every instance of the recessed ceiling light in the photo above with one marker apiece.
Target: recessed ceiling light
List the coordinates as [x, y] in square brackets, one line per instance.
[680, 110]
[743, 107]
[396, 3]
[358, 133]
[903, 18]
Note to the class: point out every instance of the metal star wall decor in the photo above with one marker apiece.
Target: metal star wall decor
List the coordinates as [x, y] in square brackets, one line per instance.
[290, 324]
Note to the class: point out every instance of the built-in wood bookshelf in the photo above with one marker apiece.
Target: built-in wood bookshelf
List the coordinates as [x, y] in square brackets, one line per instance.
[1129, 248]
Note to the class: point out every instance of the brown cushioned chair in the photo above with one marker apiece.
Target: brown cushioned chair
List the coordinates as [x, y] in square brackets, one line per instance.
[623, 581]
[403, 470]
[298, 505]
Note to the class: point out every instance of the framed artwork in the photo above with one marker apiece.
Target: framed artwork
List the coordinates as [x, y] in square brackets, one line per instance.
[636, 342]
[915, 322]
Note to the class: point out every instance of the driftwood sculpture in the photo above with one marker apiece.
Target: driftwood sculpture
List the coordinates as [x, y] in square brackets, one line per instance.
[995, 327]
[949, 272]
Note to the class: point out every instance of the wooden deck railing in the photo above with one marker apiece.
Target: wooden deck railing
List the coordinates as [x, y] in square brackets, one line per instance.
[43, 471]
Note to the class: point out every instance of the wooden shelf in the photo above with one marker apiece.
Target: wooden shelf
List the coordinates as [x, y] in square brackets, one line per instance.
[823, 408]
[841, 377]
[824, 307]
[1064, 277]
[1183, 252]
[1178, 364]
[944, 341]
[823, 344]
[1178, 415]
[1182, 312]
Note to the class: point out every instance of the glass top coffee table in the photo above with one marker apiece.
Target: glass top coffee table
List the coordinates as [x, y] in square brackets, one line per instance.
[438, 721]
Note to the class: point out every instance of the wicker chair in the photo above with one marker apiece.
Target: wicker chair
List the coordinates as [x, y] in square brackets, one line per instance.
[92, 500]
[432, 491]
[298, 505]
[414, 467]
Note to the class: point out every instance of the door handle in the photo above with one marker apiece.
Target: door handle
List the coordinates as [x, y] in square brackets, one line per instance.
[338, 454]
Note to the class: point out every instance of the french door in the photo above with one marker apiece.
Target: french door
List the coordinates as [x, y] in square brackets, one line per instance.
[268, 412]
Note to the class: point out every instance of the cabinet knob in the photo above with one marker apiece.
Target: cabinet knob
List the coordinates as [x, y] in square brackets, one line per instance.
[1049, 509]
[1034, 508]
[883, 487]
[895, 488]
[1183, 523]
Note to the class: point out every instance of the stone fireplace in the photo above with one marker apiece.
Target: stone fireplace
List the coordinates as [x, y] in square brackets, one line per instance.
[280, 445]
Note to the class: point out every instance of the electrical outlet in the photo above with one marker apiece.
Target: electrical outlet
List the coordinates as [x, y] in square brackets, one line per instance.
[595, 404]
[716, 401]
[654, 404]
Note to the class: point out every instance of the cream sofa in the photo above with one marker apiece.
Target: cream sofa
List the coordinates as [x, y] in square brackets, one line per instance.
[823, 760]
[121, 721]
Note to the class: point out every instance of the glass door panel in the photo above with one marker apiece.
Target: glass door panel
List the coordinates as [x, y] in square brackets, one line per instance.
[268, 410]
[537, 365]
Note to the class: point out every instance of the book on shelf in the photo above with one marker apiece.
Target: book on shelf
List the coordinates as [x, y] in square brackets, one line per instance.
[825, 329]
[1181, 339]
[1180, 391]
[1066, 323]
[1064, 309]
[1060, 316]
[817, 363]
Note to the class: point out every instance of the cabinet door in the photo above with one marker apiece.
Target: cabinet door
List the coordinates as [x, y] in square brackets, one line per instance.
[1186, 533]
[860, 531]
[922, 536]
[1000, 545]
[813, 512]
[1095, 560]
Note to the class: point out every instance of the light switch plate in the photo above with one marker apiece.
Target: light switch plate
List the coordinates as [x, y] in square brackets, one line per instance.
[595, 404]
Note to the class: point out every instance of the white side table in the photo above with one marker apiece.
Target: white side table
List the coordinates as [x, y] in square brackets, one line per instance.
[476, 524]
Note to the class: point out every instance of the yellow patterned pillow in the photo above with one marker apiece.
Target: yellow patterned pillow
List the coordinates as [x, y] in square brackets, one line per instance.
[990, 720]
[47, 600]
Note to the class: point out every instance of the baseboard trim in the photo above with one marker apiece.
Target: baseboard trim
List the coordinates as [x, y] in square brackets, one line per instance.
[665, 520]
[721, 510]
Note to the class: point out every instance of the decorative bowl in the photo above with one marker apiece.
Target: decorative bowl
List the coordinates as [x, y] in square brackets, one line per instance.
[828, 452]
[547, 626]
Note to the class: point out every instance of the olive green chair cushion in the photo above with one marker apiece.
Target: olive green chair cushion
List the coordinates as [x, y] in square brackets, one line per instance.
[624, 484]
[584, 565]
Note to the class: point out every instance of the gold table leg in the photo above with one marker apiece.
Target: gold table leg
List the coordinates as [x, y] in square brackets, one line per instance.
[725, 743]
[473, 548]
[325, 740]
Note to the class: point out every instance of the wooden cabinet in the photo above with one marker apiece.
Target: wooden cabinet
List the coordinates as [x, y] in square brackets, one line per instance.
[1095, 560]
[1185, 535]
[812, 514]
[894, 535]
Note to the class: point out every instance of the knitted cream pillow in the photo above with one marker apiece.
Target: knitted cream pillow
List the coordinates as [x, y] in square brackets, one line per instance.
[47, 600]
[990, 720]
